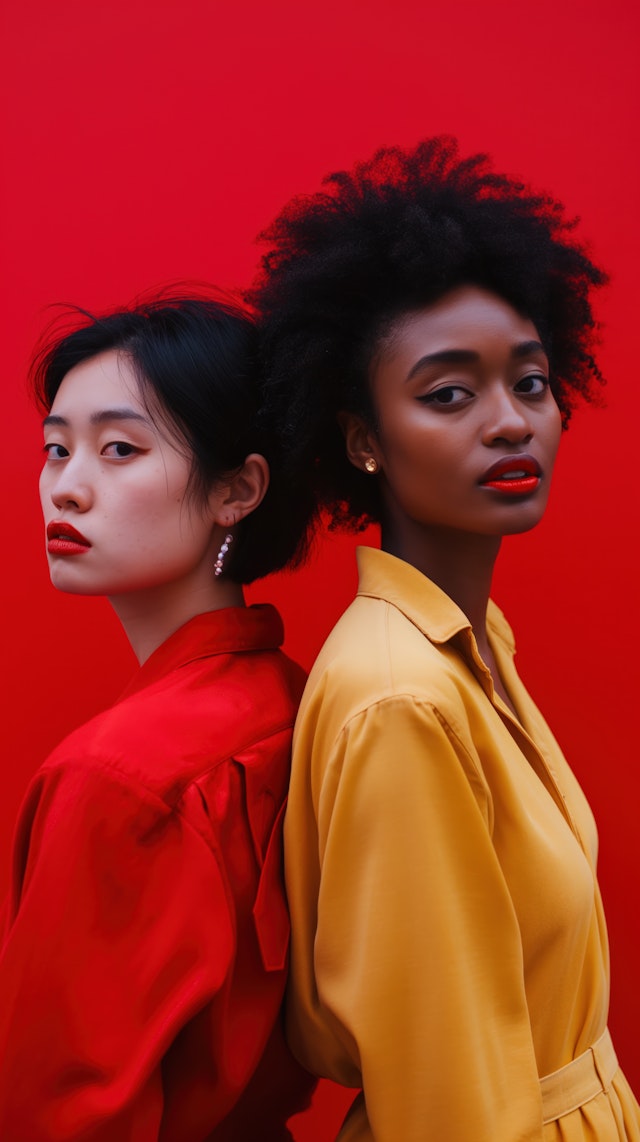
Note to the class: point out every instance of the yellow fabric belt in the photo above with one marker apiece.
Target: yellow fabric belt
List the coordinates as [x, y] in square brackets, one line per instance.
[571, 1086]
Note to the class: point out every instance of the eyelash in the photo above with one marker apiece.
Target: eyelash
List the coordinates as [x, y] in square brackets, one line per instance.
[434, 396]
[534, 377]
[131, 450]
[48, 448]
[120, 444]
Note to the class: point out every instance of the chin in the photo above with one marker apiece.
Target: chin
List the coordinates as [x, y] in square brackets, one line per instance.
[70, 584]
[519, 527]
[76, 589]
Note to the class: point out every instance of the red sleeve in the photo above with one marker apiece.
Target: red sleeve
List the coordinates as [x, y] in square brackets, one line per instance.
[117, 932]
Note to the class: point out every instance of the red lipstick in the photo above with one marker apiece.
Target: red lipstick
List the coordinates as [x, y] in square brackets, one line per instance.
[513, 476]
[63, 539]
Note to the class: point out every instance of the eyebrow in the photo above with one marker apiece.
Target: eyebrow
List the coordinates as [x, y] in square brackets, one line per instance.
[104, 416]
[470, 356]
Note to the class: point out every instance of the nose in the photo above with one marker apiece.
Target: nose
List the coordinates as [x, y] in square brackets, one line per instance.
[507, 419]
[67, 486]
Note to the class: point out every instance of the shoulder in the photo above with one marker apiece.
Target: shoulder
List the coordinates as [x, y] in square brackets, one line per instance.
[381, 689]
[170, 733]
[76, 805]
[377, 655]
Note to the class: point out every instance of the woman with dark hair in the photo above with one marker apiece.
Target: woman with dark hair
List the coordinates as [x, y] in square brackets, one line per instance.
[143, 948]
[427, 330]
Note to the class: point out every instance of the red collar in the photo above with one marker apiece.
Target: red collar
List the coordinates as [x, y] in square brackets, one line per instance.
[227, 631]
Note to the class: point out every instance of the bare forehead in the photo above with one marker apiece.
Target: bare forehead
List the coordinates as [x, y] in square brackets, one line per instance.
[103, 383]
[465, 320]
[111, 370]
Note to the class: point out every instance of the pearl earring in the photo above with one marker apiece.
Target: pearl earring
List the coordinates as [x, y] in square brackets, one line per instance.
[371, 465]
[219, 563]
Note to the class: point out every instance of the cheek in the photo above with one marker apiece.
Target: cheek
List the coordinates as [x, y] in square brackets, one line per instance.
[44, 492]
[409, 444]
[140, 500]
[555, 433]
[165, 493]
[162, 520]
[401, 432]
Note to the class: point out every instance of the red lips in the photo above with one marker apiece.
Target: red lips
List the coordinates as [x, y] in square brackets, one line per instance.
[64, 539]
[513, 475]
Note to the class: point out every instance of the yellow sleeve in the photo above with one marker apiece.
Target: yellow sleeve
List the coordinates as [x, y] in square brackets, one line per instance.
[417, 963]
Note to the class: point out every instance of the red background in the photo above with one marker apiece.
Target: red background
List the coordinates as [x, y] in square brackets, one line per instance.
[147, 142]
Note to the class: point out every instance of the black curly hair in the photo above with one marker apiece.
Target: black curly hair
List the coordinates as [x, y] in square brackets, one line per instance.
[394, 234]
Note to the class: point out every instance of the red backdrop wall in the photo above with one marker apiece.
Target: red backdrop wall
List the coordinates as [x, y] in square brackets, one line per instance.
[147, 142]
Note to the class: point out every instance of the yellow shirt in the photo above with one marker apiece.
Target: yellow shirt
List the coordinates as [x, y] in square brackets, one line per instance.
[449, 945]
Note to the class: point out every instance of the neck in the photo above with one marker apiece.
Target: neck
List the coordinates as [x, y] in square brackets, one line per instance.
[149, 617]
[460, 564]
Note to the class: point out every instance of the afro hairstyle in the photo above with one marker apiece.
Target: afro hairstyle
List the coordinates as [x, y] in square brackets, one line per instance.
[388, 237]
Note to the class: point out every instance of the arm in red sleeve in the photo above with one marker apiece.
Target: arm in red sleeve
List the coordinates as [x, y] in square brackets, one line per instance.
[118, 932]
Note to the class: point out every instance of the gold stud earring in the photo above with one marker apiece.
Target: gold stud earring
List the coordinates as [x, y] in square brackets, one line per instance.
[371, 465]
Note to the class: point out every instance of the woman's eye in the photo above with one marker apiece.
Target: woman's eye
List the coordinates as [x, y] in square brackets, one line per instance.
[447, 395]
[118, 450]
[533, 385]
[55, 452]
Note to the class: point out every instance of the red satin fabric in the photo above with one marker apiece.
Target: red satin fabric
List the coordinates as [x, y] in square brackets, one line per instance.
[145, 937]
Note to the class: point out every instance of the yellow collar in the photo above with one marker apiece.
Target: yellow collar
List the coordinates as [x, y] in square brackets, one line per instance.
[384, 576]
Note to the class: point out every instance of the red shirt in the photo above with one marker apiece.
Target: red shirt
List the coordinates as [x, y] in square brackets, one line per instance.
[144, 946]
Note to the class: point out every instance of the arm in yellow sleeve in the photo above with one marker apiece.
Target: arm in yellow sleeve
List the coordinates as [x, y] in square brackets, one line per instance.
[415, 952]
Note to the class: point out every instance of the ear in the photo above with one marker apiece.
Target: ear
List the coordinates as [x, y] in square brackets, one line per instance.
[242, 492]
[360, 440]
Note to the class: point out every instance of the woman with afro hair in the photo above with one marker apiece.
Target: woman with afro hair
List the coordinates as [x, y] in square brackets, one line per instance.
[427, 330]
